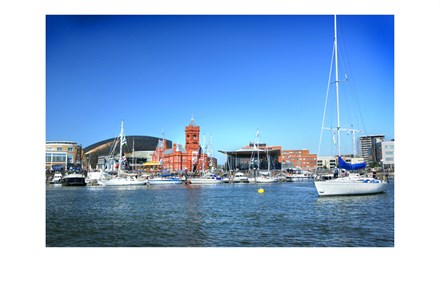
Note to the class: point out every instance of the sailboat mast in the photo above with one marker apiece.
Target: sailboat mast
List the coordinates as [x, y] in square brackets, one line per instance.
[337, 90]
[203, 154]
[132, 157]
[121, 136]
[258, 150]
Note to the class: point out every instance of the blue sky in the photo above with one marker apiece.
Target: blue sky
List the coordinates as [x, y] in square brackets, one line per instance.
[234, 73]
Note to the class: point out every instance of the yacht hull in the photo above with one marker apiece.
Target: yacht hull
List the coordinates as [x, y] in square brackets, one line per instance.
[204, 181]
[334, 187]
[164, 181]
[121, 182]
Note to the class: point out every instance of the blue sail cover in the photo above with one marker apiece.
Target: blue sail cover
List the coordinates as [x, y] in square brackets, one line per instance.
[347, 166]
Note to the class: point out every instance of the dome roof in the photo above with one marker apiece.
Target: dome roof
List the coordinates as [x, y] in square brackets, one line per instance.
[141, 143]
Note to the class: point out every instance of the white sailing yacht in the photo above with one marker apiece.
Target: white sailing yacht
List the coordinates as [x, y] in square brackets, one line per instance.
[353, 184]
[264, 177]
[122, 178]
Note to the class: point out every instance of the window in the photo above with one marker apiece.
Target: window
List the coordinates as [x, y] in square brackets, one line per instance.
[56, 157]
[59, 148]
[70, 149]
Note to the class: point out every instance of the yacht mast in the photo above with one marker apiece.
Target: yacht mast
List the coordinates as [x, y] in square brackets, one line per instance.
[257, 136]
[121, 136]
[337, 90]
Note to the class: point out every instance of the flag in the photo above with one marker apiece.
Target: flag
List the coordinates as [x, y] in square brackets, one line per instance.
[124, 141]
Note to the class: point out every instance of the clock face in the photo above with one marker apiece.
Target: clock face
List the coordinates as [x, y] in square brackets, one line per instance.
[194, 136]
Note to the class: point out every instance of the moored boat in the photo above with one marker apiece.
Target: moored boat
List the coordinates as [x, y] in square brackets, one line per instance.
[122, 178]
[353, 184]
[73, 180]
[266, 179]
[56, 178]
[164, 180]
[239, 177]
[205, 179]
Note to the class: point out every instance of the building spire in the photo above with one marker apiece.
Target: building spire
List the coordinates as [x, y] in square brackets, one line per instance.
[192, 123]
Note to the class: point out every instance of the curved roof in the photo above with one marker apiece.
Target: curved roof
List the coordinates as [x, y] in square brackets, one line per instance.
[141, 143]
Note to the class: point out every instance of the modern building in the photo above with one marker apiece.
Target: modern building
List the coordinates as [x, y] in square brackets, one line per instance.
[62, 155]
[254, 156]
[189, 158]
[138, 151]
[299, 159]
[367, 147]
[328, 162]
[387, 155]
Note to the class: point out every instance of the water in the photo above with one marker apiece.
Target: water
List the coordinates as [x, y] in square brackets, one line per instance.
[222, 215]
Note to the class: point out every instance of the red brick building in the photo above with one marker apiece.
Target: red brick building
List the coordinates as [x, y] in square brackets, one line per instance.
[189, 158]
[299, 159]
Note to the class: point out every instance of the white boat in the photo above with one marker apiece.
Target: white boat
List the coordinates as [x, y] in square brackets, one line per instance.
[164, 180]
[352, 184]
[266, 179]
[56, 178]
[121, 179]
[205, 179]
[299, 175]
[94, 176]
[238, 178]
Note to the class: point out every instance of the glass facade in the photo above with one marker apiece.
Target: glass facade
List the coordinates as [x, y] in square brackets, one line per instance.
[63, 153]
[56, 157]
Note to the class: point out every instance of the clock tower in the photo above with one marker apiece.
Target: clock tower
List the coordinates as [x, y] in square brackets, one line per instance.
[192, 132]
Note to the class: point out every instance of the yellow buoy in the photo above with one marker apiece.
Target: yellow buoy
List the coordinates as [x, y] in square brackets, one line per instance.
[261, 190]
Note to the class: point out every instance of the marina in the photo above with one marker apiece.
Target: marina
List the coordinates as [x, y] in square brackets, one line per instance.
[147, 190]
[216, 215]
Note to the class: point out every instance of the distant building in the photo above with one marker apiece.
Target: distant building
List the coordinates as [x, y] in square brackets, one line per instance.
[257, 156]
[330, 162]
[104, 154]
[179, 158]
[61, 155]
[367, 147]
[326, 162]
[299, 159]
[387, 155]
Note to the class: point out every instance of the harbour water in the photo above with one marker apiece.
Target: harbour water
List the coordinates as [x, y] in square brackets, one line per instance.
[221, 215]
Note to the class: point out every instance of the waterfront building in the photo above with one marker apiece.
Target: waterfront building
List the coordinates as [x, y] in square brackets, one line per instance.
[138, 151]
[179, 158]
[367, 147]
[62, 155]
[246, 158]
[299, 159]
[327, 162]
[387, 155]
[330, 162]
